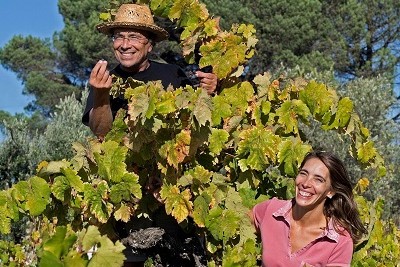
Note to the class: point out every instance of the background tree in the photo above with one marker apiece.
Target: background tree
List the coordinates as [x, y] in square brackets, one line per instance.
[366, 37]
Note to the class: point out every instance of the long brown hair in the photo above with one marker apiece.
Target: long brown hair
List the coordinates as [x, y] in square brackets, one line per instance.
[341, 207]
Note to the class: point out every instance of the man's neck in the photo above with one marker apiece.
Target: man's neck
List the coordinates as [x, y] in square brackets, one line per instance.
[137, 68]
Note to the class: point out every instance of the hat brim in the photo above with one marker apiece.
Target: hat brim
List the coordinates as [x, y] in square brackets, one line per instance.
[159, 34]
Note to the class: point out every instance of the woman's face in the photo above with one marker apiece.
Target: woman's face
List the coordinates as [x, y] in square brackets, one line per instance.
[313, 184]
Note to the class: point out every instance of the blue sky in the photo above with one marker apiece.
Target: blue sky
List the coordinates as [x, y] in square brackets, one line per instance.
[39, 18]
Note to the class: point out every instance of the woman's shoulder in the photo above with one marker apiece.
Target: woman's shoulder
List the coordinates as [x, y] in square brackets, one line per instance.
[273, 203]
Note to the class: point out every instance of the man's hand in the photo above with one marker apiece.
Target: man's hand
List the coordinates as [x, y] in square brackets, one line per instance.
[100, 78]
[208, 81]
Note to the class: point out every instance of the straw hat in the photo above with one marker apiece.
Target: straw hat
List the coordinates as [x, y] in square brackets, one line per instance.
[134, 16]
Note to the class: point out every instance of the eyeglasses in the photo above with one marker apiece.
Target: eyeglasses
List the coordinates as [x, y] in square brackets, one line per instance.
[132, 39]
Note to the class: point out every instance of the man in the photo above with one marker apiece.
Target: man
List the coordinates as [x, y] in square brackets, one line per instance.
[134, 34]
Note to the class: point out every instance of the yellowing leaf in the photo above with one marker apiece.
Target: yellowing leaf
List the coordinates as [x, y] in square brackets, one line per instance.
[124, 213]
[175, 151]
[93, 199]
[107, 253]
[166, 103]
[177, 203]
[363, 184]
[60, 242]
[59, 187]
[221, 109]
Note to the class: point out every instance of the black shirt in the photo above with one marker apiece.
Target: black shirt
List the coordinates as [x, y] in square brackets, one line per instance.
[168, 74]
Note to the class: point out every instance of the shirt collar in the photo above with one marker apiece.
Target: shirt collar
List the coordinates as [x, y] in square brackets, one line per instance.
[329, 232]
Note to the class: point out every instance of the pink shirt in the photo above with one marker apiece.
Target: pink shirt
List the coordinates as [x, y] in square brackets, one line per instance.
[272, 218]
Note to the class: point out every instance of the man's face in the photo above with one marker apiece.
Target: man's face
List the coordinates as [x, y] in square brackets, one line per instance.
[131, 48]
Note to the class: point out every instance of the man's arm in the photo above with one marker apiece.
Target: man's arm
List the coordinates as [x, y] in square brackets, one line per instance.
[100, 116]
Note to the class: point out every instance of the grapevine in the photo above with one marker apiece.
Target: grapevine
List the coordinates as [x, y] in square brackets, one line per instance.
[216, 155]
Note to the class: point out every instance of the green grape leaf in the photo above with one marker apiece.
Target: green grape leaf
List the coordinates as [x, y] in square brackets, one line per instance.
[60, 243]
[52, 167]
[73, 179]
[197, 176]
[289, 112]
[112, 161]
[211, 27]
[123, 190]
[202, 107]
[249, 195]
[107, 253]
[200, 211]
[291, 153]
[233, 202]
[105, 16]
[366, 152]
[8, 211]
[265, 107]
[222, 224]
[217, 140]
[34, 195]
[73, 259]
[263, 81]
[119, 127]
[132, 181]
[59, 187]
[342, 115]
[80, 159]
[221, 109]
[5, 220]
[48, 259]
[93, 198]
[318, 98]
[177, 203]
[239, 97]
[256, 148]
[120, 192]
[139, 104]
[166, 103]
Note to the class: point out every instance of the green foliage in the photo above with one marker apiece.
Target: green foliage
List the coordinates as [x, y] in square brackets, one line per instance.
[361, 50]
[216, 155]
[381, 247]
[27, 141]
[11, 254]
[373, 100]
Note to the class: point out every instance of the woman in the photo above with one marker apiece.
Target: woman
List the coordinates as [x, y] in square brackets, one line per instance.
[316, 228]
